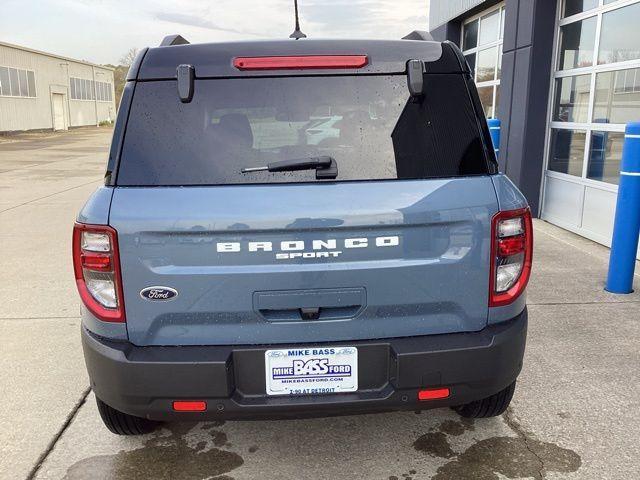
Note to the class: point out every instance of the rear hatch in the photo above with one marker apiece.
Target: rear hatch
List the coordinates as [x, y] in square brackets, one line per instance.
[396, 245]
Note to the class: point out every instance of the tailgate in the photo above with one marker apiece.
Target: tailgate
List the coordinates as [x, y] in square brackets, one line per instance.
[305, 263]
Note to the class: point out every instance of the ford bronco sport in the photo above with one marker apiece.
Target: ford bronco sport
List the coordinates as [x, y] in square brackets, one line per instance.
[301, 228]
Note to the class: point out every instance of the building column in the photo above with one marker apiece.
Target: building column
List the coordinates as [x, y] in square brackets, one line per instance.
[449, 31]
[95, 95]
[524, 92]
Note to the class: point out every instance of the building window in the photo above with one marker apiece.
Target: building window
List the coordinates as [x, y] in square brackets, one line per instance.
[596, 88]
[567, 151]
[577, 43]
[83, 89]
[572, 7]
[482, 47]
[605, 154]
[103, 92]
[571, 103]
[620, 36]
[17, 82]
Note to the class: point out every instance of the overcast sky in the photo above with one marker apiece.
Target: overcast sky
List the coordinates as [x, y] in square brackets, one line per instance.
[102, 31]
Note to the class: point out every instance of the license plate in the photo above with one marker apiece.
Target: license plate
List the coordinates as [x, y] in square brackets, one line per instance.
[311, 370]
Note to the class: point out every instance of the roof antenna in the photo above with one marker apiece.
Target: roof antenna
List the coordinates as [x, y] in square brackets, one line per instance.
[297, 33]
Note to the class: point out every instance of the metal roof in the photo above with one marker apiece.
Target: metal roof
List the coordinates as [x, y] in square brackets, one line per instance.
[52, 55]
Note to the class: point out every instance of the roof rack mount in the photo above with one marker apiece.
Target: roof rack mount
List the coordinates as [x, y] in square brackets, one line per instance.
[418, 35]
[170, 40]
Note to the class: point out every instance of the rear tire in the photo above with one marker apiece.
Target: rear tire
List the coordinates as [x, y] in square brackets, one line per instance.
[488, 407]
[122, 423]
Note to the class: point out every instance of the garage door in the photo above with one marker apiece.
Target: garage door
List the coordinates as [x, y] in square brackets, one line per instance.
[596, 92]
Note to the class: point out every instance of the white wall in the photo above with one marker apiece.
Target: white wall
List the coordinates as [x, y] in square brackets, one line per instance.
[83, 112]
[51, 76]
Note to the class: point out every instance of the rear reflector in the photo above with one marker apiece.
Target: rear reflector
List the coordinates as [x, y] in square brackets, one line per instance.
[189, 406]
[300, 62]
[433, 394]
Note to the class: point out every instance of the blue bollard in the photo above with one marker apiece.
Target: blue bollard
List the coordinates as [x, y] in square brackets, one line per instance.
[494, 130]
[626, 229]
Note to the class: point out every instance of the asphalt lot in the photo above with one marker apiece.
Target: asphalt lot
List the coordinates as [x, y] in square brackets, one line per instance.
[575, 414]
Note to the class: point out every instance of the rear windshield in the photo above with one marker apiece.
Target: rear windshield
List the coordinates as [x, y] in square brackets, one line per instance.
[366, 123]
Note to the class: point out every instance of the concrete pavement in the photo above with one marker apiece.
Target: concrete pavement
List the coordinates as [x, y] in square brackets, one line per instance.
[43, 180]
[575, 414]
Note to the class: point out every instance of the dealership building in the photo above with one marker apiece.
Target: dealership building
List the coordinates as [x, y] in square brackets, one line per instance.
[42, 91]
[563, 76]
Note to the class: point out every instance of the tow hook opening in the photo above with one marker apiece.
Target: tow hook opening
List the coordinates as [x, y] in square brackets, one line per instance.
[310, 313]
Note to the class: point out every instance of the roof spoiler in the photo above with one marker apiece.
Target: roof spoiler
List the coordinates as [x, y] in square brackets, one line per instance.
[173, 40]
[418, 35]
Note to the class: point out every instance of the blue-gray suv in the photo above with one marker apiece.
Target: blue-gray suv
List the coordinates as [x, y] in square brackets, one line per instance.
[301, 228]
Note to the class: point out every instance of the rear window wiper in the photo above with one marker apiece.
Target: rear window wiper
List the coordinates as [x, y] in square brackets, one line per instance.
[325, 166]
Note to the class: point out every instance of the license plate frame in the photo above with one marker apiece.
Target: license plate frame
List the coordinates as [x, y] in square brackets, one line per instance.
[311, 370]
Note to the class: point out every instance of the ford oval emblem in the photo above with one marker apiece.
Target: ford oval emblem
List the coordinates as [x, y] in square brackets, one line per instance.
[159, 293]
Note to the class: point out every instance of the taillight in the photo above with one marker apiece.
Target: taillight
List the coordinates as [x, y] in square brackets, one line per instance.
[511, 253]
[97, 269]
[301, 62]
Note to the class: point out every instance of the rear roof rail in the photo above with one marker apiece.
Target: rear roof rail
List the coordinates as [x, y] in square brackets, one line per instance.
[418, 35]
[215, 60]
[174, 40]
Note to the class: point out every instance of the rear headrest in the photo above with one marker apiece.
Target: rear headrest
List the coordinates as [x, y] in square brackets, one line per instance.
[236, 126]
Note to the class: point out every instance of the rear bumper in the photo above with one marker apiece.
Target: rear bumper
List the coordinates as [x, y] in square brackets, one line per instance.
[144, 381]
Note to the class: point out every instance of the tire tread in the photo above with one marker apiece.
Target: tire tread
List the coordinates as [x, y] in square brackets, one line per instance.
[488, 407]
[122, 423]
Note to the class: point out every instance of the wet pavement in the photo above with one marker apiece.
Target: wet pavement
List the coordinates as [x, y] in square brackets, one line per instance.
[575, 414]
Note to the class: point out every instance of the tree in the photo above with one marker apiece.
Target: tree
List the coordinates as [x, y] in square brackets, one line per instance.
[119, 79]
[120, 72]
[128, 58]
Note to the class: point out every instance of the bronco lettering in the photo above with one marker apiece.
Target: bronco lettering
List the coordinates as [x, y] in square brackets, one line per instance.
[321, 248]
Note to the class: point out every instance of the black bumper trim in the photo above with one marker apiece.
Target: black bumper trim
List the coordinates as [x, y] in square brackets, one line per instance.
[143, 381]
